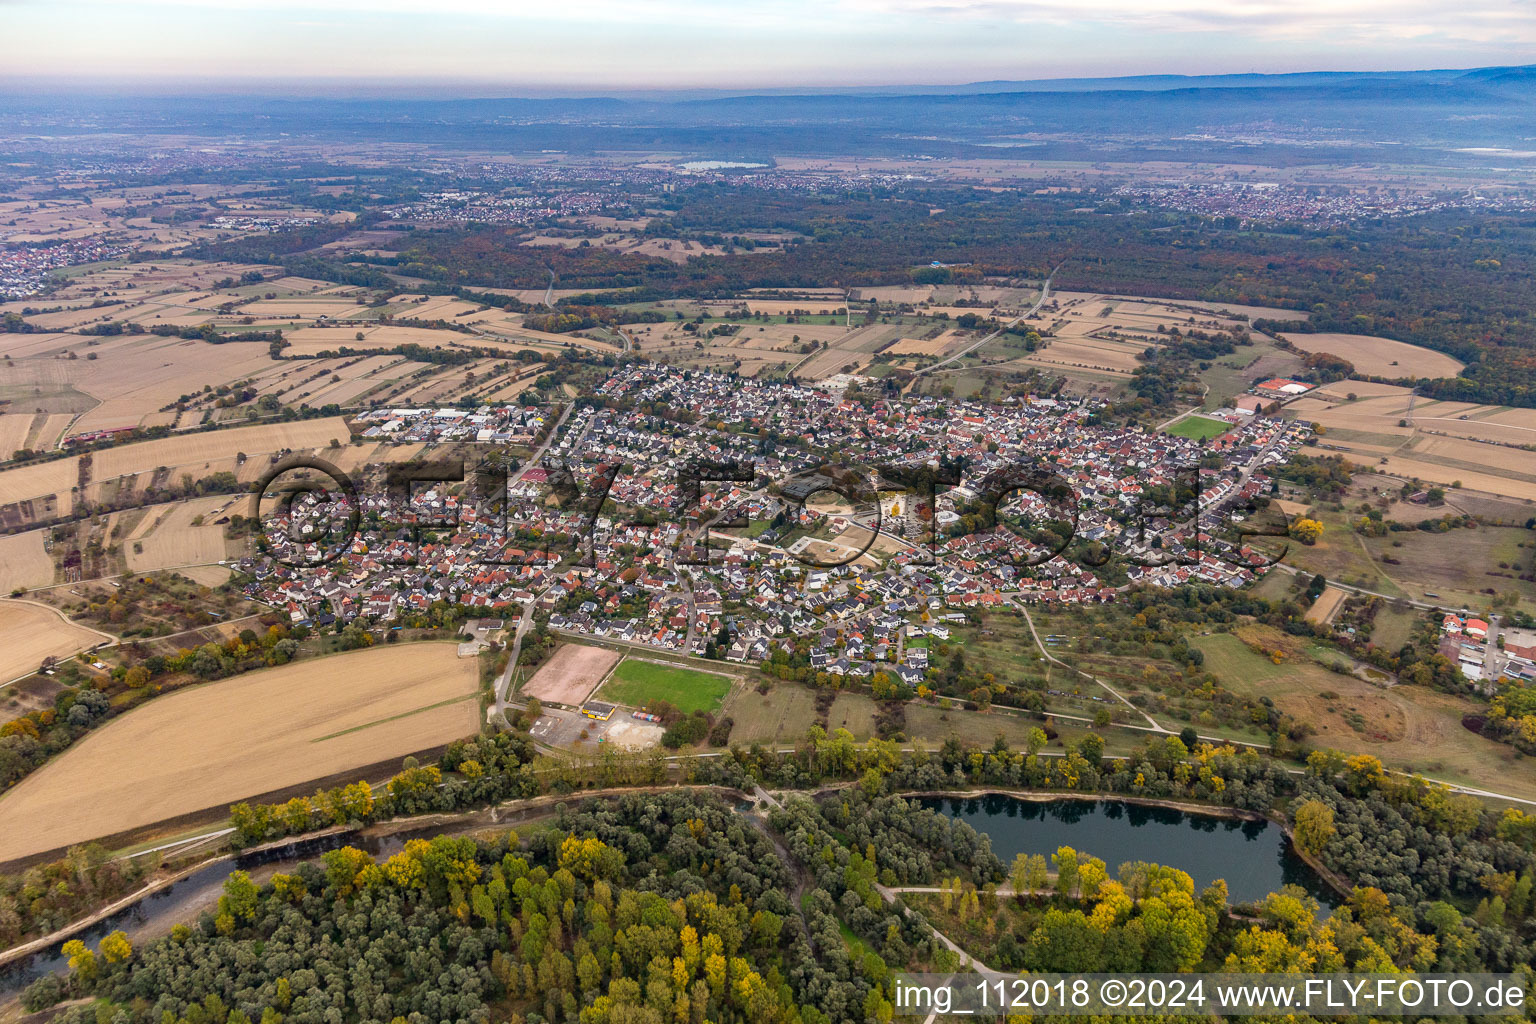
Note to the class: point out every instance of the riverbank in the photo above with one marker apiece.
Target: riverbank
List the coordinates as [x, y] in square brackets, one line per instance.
[270, 858]
[1045, 796]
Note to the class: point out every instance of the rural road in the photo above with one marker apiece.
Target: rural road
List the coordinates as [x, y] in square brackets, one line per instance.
[1045, 293]
[1151, 722]
[108, 640]
[1422, 605]
[1205, 389]
[498, 708]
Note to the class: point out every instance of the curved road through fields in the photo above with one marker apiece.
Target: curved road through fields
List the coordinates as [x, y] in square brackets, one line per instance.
[1045, 293]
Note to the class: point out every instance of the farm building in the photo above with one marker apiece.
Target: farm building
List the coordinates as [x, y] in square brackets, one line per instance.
[1282, 386]
[1521, 643]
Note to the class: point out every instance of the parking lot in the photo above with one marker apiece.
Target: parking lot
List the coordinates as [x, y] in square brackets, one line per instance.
[560, 728]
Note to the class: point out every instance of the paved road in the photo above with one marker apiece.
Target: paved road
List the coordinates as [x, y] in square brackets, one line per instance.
[1045, 292]
[498, 707]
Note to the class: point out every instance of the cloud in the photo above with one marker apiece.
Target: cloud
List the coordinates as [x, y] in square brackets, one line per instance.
[1508, 22]
[660, 12]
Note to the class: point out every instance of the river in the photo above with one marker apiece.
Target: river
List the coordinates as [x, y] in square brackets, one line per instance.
[1254, 857]
[182, 900]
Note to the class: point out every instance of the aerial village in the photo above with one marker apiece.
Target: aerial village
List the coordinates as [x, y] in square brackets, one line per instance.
[736, 569]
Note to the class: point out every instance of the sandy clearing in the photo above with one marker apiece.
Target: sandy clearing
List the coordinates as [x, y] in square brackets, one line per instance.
[633, 735]
[30, 632]
[211, 745]
[572, 674]
[1326, 606]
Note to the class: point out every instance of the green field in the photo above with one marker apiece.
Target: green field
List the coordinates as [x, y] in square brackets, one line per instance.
[1232, 375]
[1458, 565]
[782, 715]
[1199, 428]
[854, 712]
[1392, 627]
[1410, 728]
[636, 683]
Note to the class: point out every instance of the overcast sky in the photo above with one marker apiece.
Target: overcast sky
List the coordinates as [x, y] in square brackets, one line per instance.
[507, 47]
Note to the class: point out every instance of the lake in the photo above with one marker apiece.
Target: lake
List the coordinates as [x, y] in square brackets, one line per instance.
[1254, 857]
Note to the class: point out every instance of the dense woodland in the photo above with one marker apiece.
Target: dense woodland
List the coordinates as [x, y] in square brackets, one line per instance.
[675, 906]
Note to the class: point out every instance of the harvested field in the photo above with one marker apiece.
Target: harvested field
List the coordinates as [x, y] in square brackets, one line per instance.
[1251, 312]
[1440, 474]
[308, 340]
[131, 378]
[192, 449]
[210, 745]
[853, 347]
[1379, 357]
[1359, 388]
[571, 675]
[303, 308]
[1104, 354]
[24, 562]
[36, 480]
[894, 293]
[796, 307]
[207, 575]
[927, 347]
[170, 537]
[31, 632]
[14, 429]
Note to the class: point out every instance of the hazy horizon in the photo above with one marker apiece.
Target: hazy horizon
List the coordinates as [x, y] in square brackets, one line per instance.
[586, 47]
[428, 89]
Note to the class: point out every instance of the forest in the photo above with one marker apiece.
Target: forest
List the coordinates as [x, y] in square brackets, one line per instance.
[677, 906]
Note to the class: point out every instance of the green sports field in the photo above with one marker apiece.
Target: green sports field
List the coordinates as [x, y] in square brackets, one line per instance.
[636, 683]
[1200, 428]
